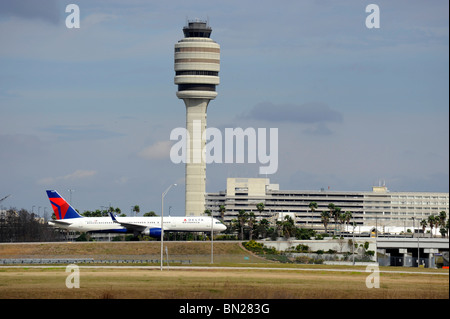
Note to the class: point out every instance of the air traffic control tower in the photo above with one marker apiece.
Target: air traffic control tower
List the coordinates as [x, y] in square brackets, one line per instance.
[197, 65]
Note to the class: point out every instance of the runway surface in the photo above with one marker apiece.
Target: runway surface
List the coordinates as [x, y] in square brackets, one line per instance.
[168, 268]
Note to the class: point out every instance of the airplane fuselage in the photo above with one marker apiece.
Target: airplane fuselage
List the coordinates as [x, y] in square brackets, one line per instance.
[67, 217]
[171, 224]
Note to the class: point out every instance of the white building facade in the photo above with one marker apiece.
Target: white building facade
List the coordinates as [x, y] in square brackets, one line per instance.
[390, 212]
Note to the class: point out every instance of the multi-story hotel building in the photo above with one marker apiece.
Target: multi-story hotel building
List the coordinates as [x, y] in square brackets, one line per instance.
[389, 211]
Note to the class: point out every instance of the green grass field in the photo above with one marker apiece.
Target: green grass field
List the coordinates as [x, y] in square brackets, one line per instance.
[197, 252]
[308, 282]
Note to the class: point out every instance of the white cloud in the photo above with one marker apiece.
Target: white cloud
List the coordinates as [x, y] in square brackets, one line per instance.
[98, 18]
[159, 150]
[295, 113]
[101, 37]
[77, 175]
[45, 10]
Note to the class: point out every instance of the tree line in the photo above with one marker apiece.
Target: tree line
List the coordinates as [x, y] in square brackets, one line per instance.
[247, 227]
[436, 221]
[117, 211]
[23, 226]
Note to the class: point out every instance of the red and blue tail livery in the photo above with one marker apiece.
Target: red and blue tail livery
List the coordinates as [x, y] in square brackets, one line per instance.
[61, 207]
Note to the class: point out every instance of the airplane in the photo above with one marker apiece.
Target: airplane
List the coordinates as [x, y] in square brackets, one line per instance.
[68, 218]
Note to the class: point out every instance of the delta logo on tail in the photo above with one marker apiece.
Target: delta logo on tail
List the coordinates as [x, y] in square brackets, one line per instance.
[61, 208]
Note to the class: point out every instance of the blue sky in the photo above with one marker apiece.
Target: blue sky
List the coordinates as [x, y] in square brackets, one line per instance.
[91, 109]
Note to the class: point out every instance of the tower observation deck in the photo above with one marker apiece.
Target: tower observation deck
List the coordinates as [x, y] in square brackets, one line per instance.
[197, 62]
[197, 66]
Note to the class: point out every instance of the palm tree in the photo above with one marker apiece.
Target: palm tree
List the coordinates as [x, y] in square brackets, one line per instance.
[278, 227]
[347, 217]
[442, 217]
[263, 227]
[446, 227]
[288, 227]
[443, 231]
[336, 215]
[325, 218]
[313, 206]
[332, 207]
[424, 225]
[432, 221]
[136, 209]
[222, 211]
[260, 207]
[251, 221]
[242, 219]
[341, 221]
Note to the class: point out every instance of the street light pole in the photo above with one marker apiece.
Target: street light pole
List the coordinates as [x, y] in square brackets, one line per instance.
[212, 238]
[353, 244]
[418, 244]
[70, 197]
[162, 222]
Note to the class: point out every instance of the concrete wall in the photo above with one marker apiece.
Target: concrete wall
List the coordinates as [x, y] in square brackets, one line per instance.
[340, 246]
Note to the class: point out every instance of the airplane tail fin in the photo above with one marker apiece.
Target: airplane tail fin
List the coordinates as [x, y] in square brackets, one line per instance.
[61, 207]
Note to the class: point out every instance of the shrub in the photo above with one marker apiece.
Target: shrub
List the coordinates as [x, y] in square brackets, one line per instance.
[253, 246]
[370, 253]
[302, 248]
[304, 233]
[303, 260]
[259, 248]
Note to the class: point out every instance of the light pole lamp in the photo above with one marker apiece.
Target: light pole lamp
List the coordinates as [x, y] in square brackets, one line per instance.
[70, 197]
[353, 244]
[162, 222]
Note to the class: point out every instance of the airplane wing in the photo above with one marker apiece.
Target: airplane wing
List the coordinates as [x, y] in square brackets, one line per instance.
[133, 227]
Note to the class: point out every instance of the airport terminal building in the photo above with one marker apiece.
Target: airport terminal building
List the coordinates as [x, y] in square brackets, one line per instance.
[388, 211]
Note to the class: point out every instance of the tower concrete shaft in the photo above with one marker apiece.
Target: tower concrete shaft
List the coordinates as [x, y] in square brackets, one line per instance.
[197, 66]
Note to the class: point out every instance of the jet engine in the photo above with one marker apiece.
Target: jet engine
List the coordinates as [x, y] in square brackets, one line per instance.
[152, 232]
